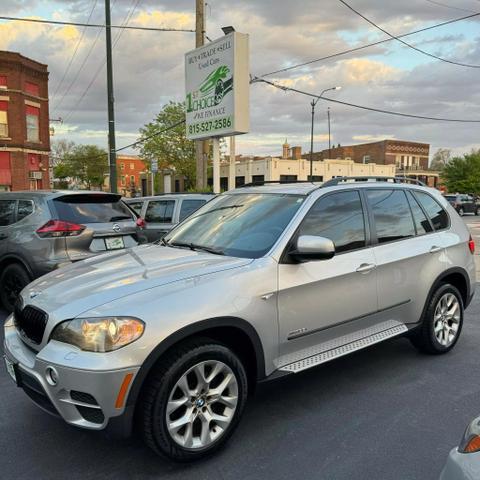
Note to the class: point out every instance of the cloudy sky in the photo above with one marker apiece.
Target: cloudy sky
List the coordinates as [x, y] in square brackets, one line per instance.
[149, 67]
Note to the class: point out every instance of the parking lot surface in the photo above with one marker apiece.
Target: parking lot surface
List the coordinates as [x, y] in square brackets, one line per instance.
[387, 412]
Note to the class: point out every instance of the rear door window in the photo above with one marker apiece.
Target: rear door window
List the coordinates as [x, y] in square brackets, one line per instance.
[391, 212]
[24, 209]
[160, 211]
[90, 208]
[422, 223]
[189, 206]
[7, 209]
[438, 216]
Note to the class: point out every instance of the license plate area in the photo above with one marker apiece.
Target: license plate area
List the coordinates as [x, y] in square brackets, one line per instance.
[114, 243]
[10, 369]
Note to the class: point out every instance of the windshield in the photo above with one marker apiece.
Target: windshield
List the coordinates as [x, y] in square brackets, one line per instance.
[450, 198]
[239, 225]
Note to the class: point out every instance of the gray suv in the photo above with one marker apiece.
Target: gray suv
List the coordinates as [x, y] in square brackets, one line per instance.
[41, 231]
[261, 282]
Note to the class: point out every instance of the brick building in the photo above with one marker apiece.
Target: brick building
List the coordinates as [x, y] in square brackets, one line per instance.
[129, 177]
[402, 154]
[24, 123]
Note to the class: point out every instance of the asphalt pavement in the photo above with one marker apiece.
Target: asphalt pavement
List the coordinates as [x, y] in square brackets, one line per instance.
[387, 412]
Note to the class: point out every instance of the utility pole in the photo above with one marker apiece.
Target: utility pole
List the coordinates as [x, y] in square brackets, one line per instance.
[112, 156]
[201, 146]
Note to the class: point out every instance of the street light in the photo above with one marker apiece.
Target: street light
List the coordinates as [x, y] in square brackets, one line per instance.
[313, 103]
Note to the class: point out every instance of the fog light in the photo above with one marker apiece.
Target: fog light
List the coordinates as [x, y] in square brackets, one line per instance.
[51, 375]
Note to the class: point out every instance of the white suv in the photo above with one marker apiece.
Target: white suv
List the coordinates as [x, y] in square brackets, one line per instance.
[262, 281]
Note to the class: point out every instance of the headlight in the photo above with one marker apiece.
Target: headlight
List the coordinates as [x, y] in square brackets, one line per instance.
[471, 438]
[99, 334]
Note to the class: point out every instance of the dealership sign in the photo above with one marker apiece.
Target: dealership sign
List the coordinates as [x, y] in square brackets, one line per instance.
[217, 88]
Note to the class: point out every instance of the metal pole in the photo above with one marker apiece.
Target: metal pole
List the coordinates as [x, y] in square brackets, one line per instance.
[216, 164]
[200, 145]
[231, 165]
[329, 145]
[311, 141]
[112, 156]
[153, 182]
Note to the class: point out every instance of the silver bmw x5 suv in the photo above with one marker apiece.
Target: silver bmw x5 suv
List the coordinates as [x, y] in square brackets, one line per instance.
[261, 282]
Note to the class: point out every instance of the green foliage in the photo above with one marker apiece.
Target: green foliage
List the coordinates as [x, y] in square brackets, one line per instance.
[86, 164]
[171, 149]
[462, 174]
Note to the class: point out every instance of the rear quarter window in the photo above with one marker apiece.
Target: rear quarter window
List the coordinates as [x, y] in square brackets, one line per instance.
[92, 209]
[190, 206]
[7, 209]
[438, 216]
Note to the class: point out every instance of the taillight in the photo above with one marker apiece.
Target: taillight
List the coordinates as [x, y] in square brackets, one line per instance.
[471, 245]
[140, 222]
[59, 228]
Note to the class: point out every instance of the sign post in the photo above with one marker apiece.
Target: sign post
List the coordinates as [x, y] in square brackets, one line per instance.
[217, 92]
[154, 170]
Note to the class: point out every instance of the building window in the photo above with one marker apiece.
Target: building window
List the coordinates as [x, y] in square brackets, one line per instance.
[122, 180]
[132, 179]
[366, 159]
[32, 89]
[122, 166]
[132, 166]
[3, 119]
[288, 178]
[239, 181]
[3, 82]
[33, 129]
[258, 178]
[315, 178]
[223, 184]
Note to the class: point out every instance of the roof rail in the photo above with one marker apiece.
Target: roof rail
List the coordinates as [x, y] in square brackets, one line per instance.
[335, 181]
[270, 182]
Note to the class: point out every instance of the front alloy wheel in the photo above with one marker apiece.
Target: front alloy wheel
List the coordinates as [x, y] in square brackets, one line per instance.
[193, 400]
[202, 404]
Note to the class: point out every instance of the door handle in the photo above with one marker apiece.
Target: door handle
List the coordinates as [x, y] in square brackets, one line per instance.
[435, 249]
[366, 267]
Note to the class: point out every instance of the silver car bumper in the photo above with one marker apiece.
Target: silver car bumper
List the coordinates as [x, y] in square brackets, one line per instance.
[461, 466]
[84, 398]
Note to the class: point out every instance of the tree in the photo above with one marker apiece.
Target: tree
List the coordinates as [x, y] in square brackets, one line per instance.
[171, 148]
[86, 164]
[462, 174]
[440, 159]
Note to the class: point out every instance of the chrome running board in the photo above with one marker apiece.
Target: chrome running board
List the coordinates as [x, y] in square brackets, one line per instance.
[341, 346]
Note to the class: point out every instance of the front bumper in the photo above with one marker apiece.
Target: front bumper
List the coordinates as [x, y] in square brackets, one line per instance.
[461, 466]
[84, 398]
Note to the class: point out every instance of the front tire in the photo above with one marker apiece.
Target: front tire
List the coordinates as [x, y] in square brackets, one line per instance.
[193, 401]
[12, 281]
[442, 322]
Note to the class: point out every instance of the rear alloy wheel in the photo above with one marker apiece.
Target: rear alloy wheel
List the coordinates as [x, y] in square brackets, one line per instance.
[12, 281]
[194, 401]
[442, 322]
[461, 211]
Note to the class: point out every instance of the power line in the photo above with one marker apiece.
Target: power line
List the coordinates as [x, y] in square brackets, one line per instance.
[363, 107]
[97, 73]
[428, 54]
[449, 6]
[77, 24]
[368, 45]
[75, 50]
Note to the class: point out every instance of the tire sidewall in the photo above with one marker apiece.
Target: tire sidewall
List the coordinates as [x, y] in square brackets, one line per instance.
[430, 313]
[162, 437]
[12, 269]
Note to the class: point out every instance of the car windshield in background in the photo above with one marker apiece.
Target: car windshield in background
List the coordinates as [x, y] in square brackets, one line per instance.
[238, 225]
[90, 208]
[450, 198]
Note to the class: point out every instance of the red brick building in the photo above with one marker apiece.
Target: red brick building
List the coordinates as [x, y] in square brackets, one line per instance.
[24, 123]
[129, 178]
[402, 154]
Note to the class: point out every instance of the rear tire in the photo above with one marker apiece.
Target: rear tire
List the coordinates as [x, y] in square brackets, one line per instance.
[476, 211]
[12, 281]
[208, 410]
[442, 322]
[461, 211]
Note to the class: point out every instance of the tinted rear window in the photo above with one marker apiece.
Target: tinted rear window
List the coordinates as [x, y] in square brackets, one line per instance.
[92, 209]
[7, 207]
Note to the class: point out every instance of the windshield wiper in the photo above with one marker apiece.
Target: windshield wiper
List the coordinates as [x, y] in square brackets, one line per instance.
[194, 246]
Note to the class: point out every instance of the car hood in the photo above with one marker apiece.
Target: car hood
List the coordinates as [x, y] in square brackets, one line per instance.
[82, 286]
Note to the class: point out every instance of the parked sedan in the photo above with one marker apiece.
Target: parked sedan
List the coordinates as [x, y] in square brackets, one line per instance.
[463, 203]
[44, 230]
[162, 212]
[463, 463]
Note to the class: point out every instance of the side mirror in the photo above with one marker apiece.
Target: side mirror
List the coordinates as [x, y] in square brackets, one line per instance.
[310, 247]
